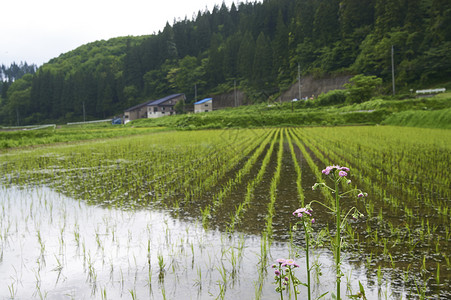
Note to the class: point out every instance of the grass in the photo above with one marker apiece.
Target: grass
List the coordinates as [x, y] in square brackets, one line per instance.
[425, 119]
[66, 134]
[301, 113]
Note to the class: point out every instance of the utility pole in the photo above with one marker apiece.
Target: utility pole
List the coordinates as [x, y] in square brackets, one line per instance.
[195, 92]
[393, 68]
[84, 112]
[299, 80]
[234, 93]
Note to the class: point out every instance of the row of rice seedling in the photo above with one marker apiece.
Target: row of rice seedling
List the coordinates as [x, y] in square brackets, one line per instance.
[212, 203]
[297, 169]
[386, 195]
[155, 167]
[273, 187]
[397, 159]
[230, 184]
[313, 166]
[391, 234]
[371, 182]
[233, 154]
[252, 184]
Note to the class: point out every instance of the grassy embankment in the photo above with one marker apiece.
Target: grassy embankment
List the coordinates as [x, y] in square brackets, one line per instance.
[432, 112]
[63, 134]
[427, 112]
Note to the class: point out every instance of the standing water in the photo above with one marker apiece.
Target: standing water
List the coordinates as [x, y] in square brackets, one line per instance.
[55, 247]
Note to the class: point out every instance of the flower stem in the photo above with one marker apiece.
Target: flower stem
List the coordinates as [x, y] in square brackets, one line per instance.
[293, 283]
[280, 283]
[307, 259]
[338, 238]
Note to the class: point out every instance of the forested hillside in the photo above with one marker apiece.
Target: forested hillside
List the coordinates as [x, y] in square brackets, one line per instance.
[257, 45]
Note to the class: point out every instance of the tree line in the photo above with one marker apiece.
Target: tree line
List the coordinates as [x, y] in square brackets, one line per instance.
[257, 46]
[8, 74]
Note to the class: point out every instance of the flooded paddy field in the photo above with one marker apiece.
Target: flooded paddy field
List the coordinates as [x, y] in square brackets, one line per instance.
[205, 214]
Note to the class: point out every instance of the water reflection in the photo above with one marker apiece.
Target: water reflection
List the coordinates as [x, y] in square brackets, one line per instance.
[54, 247]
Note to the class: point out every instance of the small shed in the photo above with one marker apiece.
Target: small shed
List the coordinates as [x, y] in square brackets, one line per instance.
[204, 105]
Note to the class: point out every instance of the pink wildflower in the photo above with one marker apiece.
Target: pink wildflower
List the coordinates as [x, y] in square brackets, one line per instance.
[280, 260]
[289, 262]
[300, 211]
[329, 169]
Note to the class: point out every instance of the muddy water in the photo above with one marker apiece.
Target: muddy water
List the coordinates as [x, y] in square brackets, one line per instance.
[55, 247]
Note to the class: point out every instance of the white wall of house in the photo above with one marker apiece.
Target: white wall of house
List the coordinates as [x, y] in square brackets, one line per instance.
[203, 107]
[160, 111]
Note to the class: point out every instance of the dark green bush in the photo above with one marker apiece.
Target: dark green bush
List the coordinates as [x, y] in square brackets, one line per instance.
[332, 98]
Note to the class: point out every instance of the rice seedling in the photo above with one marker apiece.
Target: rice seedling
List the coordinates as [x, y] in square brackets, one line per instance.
[133, 294]
[437, 274]
[161, 263]
[379, 275]
[59, 268]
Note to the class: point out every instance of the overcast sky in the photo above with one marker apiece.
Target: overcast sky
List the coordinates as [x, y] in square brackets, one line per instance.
[36, 31]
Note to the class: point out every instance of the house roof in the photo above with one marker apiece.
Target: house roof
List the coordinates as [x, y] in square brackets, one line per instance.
[162, 100]
[138, 106]
[203, 101]
[153, 102]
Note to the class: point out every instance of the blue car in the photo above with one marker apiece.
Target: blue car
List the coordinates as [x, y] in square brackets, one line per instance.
[116, 121]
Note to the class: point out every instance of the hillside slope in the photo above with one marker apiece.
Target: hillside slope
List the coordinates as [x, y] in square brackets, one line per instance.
[258, 46]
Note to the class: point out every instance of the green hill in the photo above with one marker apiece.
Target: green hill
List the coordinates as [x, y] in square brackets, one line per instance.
[257, 45]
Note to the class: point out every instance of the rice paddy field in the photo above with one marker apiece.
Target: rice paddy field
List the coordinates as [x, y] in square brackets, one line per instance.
[205, 214]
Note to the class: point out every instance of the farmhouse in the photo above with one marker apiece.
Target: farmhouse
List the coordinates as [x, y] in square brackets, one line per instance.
[154, 108]
[164, 106]
[136, 112]
[204, 105]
